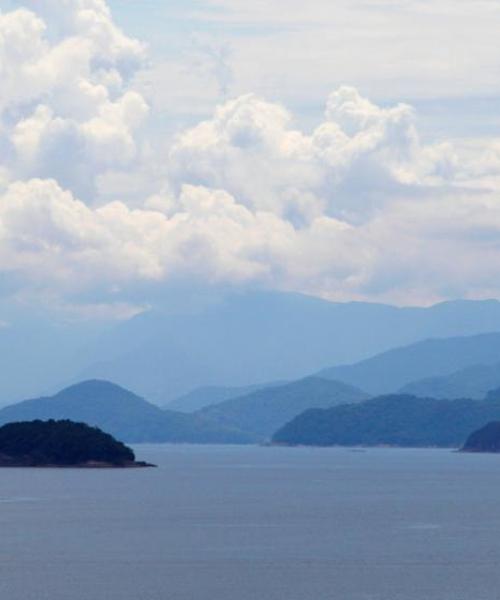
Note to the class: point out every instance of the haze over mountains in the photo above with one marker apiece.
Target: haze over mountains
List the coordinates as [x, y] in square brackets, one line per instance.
[469, 382]
[254, 338]
[251, 418]
[389, 371]
[122, 414]
[38, 353]
[256, 413]
[210, 395]
[235, 340]
[264, 411]
[238, 369]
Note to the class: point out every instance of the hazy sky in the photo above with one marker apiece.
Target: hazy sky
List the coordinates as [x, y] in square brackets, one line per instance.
[346, 149]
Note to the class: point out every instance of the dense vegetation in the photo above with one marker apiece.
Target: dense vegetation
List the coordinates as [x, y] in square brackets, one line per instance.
[62, 443]
[122, 414]
[486, 439]
[397, 420]
[263, 412]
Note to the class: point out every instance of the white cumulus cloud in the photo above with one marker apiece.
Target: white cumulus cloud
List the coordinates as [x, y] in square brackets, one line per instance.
[359, 207]
[66, 109]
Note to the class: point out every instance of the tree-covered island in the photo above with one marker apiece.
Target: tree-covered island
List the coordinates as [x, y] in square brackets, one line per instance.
[62, 444]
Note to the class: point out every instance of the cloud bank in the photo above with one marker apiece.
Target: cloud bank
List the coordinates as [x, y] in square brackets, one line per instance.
[66, 110]
[358, 208]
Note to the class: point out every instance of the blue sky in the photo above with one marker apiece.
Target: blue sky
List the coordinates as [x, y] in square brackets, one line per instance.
[460, 106]
[169, 28]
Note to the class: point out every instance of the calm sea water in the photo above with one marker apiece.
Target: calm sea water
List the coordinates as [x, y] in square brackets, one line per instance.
[227, 523]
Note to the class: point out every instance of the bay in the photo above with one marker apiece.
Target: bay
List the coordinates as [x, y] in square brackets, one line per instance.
[256, 523]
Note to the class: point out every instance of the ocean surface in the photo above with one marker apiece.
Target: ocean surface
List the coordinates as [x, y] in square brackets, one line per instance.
[251, 523]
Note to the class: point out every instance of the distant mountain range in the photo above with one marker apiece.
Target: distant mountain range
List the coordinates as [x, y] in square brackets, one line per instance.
[232, 340]
[311, 411]
[262, 412]
[243, 339]
[122, 414]
[207, 363]
[470, 382]
[210, 395]
[392, 370]
[246, 419]
[397, 420]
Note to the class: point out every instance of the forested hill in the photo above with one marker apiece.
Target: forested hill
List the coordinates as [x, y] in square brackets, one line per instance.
[397, 420]
[61, 443]
[486, 439]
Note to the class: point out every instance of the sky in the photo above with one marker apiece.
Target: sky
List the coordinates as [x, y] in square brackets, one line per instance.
[347, 150]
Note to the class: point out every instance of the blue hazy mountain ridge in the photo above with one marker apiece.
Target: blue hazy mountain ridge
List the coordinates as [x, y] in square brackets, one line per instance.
[390, 371]
[471, 382]
[246, 338]
[121, 414]
[263, 412]
[395, 420]
[210, 395]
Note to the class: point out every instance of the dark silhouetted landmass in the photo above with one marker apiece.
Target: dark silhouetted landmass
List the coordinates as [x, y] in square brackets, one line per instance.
[62, 444]
[390, 371]
[486, 439]
[472, 382]
[263, 412]
[123, 414]
[397, 420]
